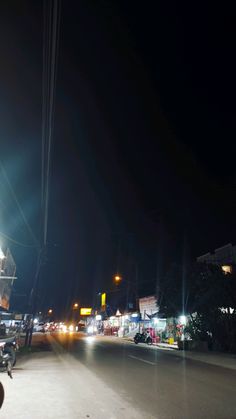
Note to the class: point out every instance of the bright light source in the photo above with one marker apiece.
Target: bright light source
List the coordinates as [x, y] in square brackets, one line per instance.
[134, 315]
[2, 256]
[50, 311]
[117, 279]
[35, 321]
[71, 328]
[64, 328]
[126, 317]
[90, 329]
[183, 319]
[76, 305]
[98, 317]
[227, 269]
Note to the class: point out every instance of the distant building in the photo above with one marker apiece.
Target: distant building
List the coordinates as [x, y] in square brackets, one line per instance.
[224, 256]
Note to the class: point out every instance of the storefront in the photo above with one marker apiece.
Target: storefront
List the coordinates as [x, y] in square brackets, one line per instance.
[111, 325]
[121, 324]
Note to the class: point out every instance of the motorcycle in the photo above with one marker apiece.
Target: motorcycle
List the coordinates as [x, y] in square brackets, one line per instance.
[7, 360]
[8, 348]
[142, 338]
[11, 347]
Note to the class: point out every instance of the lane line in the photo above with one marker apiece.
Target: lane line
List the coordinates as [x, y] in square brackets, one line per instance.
[142, 360]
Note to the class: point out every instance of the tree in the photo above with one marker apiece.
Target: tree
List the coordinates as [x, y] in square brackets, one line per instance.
[201, 291]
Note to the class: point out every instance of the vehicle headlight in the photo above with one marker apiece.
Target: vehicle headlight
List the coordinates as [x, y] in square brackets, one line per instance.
[71, 328]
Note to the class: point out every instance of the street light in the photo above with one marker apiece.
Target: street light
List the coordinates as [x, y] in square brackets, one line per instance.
[2, 256]
[50, 311]
[117, 279]
[75, 306]
[183, 320]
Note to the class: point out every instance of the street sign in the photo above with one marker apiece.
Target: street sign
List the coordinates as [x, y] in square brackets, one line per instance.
[85, 311]
[18, 316]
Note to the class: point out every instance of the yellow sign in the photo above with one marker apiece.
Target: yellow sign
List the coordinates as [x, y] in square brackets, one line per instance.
[86, 311]
[103, 301]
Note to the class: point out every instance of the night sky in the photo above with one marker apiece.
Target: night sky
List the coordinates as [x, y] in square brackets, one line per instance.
[143, 155]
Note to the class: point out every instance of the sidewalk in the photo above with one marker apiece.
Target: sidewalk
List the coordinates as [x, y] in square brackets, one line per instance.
[160, 345]
[219, 359]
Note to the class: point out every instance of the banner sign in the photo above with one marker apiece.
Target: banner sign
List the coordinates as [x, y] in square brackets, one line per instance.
[148, 306]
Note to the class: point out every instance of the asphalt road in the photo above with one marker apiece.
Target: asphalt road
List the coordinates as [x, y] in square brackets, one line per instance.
[156, 381]
[109, 378]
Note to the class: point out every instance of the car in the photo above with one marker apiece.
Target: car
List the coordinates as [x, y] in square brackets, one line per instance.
[39, 327]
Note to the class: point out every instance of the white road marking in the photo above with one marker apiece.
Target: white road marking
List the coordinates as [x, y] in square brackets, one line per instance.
[142, 360]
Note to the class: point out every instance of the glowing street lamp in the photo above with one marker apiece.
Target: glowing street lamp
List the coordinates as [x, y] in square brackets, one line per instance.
[75, 306]
[117, 279]
[50, 311]
[2, 256]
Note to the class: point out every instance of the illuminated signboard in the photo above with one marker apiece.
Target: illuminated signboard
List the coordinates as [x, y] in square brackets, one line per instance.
[86, 311]
[103, 301]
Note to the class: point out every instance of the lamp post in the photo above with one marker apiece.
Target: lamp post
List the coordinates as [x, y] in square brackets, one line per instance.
[118, 280]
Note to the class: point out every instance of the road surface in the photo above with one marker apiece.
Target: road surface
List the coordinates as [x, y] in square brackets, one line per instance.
[74, 376]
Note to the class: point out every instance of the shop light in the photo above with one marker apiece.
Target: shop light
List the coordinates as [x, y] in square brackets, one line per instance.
[90, 329]
[183, 319]
[134, 315]
[98, 317]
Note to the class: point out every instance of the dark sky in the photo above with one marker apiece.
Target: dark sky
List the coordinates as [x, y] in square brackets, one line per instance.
[143, 149]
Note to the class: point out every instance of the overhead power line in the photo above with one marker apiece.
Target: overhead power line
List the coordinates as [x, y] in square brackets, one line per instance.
[51, 29]
[52, 12]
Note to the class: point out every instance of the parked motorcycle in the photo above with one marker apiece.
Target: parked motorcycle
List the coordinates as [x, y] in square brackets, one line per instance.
[8, 349]
[142, 338]
[11, 347]
[7, 358]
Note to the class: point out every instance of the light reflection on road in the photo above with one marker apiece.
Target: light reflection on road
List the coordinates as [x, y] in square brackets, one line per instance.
[90, 339]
